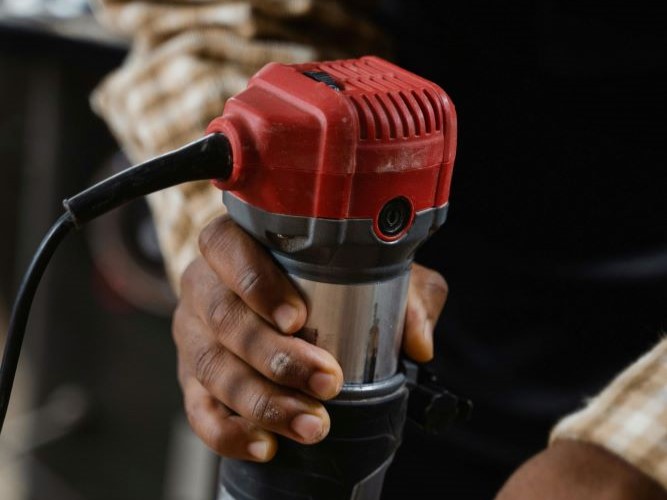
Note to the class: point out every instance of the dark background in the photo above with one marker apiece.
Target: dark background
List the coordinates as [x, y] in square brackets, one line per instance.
[555, 249]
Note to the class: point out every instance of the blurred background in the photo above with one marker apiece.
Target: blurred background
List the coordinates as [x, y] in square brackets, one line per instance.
[95, 411]
[557, 273]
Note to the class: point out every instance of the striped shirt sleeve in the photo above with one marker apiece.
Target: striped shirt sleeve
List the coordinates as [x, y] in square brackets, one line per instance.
[629, 417]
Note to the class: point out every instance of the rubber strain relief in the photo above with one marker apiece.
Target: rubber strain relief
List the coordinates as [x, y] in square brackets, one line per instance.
[206, 158]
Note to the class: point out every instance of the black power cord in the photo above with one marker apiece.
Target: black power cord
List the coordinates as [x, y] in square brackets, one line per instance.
[207, 158]
[21, 309]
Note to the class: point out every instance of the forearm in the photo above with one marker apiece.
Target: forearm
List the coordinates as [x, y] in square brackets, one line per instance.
[616, 447]
[629, 417]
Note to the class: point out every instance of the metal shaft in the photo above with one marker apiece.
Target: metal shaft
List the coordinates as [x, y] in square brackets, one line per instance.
[360, 324]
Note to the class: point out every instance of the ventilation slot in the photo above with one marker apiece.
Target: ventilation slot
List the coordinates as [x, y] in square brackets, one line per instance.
[376, 119]
[426, 111]
[437, 109]
[401, 114]
[397, 114]
[390, 119]
[363, 122]
[416, 114]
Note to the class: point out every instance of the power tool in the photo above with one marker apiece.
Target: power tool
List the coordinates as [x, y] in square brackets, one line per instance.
[341, 169]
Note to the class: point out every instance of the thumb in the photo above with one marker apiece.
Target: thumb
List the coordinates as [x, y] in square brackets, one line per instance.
[427, 294]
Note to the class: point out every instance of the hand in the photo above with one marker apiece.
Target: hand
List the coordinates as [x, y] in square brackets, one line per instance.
[244, 376]
[575, 470]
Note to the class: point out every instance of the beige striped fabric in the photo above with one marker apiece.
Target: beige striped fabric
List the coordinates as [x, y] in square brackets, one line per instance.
[187, 58]
[629, 417]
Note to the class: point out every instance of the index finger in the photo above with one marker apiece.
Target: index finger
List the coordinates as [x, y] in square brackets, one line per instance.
[245, 267]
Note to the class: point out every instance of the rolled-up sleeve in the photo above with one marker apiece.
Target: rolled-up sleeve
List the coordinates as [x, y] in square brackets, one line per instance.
[629, 417]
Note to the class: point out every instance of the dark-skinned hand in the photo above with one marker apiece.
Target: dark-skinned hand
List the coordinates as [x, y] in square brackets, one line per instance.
[244, 376]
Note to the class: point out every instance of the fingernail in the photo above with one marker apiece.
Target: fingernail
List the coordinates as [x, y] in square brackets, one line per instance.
[285, 315]
[325, 385]
[259, 449]
[309, 427]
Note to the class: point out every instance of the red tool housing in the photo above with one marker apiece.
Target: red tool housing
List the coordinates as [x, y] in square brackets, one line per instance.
[339, 140]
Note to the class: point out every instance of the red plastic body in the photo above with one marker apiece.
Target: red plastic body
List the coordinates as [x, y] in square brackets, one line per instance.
[303, 148]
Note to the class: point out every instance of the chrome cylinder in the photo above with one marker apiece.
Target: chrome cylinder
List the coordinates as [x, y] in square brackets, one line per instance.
[360, 324]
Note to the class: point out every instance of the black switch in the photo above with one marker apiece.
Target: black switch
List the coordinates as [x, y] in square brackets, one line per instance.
[326, 78]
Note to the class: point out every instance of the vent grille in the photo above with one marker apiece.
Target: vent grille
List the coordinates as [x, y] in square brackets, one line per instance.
[389, 105]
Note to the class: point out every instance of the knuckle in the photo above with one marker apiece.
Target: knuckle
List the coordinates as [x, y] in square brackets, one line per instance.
[183, 329]
[285, 368]
[192, 414]
[188, 280]
[179, 329]
[225, 313]
[213, 435]
[217, 235]
[247, 280]
[176, 322]
[265, 409]
[209, 364]
[434, 283]
[182, 374]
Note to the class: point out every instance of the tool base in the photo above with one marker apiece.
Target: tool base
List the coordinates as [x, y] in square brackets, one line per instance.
[350, 464]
